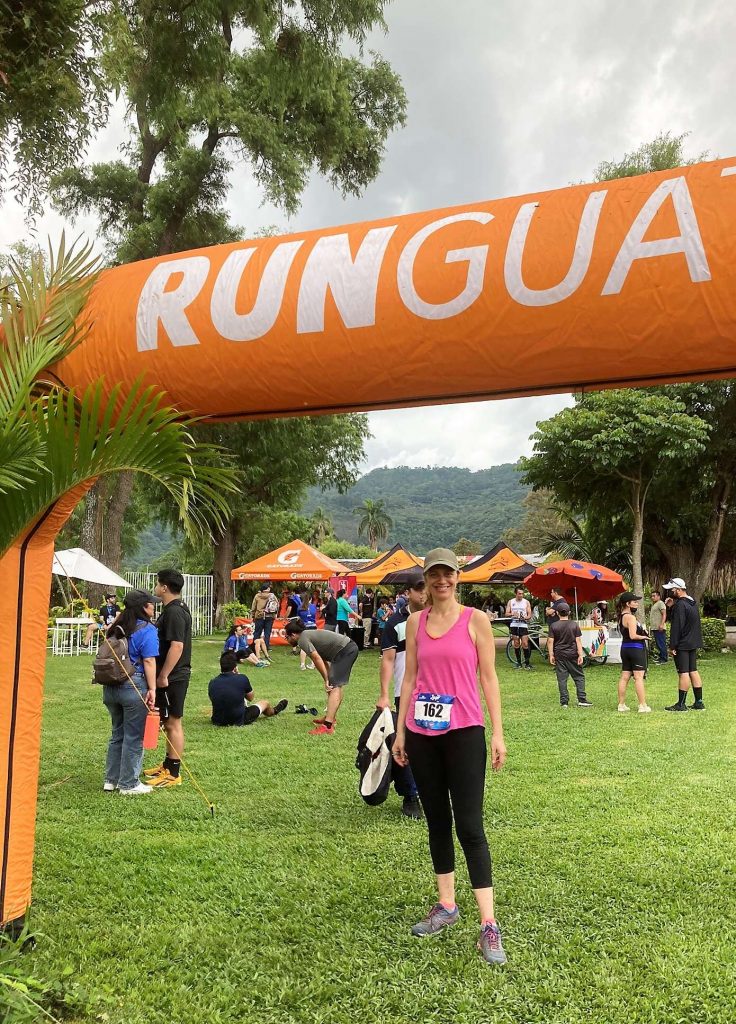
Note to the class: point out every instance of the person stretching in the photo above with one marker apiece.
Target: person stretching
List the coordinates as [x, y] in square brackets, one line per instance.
[440, 733]
[333, 656]
[633, 652]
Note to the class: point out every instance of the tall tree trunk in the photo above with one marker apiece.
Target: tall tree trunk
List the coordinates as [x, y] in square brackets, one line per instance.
[637, 540]
[117, 505]
[91, 534]
[102, 527]
[224, 553]
[701, 577]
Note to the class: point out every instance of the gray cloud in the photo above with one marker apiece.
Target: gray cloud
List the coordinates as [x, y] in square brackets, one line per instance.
[504, 98]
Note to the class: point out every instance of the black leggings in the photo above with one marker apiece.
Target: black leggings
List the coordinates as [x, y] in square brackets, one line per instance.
[452, 767]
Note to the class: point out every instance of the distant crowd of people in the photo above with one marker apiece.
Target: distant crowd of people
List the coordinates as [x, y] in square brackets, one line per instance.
[437, 658]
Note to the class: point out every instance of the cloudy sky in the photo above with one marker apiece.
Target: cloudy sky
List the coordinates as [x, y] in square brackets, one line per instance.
[505, 97]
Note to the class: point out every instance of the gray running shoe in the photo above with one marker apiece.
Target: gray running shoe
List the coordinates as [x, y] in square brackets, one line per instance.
[490, 944]
[437, 919]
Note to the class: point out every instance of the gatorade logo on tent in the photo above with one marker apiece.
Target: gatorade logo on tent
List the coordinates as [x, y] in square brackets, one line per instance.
[289, 557]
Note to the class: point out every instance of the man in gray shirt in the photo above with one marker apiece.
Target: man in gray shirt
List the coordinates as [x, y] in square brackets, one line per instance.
[333, 655]
[657, 621]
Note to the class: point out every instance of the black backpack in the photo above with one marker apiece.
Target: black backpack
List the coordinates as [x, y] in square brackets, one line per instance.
[374, 760]
[112, 665]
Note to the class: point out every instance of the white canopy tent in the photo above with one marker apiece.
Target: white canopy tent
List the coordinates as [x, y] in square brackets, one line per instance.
[79, 565]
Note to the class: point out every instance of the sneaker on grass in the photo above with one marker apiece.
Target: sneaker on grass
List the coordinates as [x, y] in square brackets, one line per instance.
[165, 780]
[281, 706]
[624, 707]
[411, 808]
[697, 706]
[323, 730]
[138, 790]
[677, 707]
[109, 787]
[437, 919]
[584, 704]
[490, 944]
[644, 709]
[150, 772]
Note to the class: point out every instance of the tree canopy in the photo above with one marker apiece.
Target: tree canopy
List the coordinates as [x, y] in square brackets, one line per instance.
[53, 95]
[214, 84]
[606, 452]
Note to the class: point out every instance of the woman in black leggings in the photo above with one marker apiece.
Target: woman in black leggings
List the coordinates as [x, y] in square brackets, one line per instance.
[441, 733]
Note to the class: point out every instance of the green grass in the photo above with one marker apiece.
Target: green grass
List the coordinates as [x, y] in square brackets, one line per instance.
[612, 836]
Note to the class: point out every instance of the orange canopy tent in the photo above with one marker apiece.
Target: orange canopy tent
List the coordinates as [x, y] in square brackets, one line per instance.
[398, 559]
[499, 565]
[295, 561]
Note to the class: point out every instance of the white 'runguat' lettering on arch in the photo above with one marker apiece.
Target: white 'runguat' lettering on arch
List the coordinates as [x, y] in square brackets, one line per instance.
[580, 259]
[475, 256]
[169, 307]
[688, 242]
[249, 326]
[352, 282]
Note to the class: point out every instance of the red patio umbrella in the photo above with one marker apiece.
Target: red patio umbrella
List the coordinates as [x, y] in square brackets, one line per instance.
[581, 581]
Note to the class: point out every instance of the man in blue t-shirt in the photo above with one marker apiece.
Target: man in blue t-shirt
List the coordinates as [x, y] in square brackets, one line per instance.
[232, 697]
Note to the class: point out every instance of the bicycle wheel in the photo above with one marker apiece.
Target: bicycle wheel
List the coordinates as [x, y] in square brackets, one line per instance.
[510, 653]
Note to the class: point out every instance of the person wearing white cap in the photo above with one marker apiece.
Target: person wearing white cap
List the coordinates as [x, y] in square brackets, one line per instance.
[441, 733]
[686, 637]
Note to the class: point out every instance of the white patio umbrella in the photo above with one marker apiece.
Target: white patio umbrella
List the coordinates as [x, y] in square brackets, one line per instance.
[79, 565]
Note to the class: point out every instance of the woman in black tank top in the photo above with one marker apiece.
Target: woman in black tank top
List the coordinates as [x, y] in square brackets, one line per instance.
[633, 652]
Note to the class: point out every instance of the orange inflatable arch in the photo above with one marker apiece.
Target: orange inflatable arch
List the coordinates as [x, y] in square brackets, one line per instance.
[628, 282]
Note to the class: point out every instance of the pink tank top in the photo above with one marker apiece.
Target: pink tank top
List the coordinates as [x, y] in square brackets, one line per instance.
[446, 692]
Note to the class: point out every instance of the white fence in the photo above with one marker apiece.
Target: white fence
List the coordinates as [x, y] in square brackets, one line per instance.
[197, 594]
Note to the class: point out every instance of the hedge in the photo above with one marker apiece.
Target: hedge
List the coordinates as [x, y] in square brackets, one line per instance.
[714, 634]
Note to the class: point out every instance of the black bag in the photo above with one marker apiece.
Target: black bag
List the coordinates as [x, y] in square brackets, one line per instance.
[374, 760]
[112, 665]
[357, 635]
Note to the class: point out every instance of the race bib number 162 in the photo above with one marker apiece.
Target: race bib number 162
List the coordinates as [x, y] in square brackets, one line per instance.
[433, 711]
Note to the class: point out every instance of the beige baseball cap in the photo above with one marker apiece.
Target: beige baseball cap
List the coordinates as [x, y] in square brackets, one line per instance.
[440, 556]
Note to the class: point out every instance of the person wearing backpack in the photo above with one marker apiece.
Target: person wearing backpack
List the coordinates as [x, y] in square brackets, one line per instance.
[263, 611]
[126, 666]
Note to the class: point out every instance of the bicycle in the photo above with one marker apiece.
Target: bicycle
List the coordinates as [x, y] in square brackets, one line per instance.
[535, 635]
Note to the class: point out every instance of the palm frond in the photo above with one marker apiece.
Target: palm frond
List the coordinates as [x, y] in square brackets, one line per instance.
[87, 437]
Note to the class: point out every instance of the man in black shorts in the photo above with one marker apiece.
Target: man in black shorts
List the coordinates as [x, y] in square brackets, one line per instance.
[333, 655]
[232, 697]
[173, 668]
[686, 637]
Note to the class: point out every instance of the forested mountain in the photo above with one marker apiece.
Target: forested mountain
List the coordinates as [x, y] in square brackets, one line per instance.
[431, 506]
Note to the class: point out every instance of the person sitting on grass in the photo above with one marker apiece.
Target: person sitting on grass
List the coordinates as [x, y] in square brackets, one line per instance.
[237, 642]
[334, 656]
[566, 654]
[232, 698]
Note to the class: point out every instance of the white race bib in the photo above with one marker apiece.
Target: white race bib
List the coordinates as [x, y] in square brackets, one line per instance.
[433, 711]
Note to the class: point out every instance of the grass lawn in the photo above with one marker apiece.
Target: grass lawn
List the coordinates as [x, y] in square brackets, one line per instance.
[612, 835]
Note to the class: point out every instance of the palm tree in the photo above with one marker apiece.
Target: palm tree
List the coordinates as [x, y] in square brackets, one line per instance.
[320, 526]
[54, 440]
[375, 522]
[588, 541]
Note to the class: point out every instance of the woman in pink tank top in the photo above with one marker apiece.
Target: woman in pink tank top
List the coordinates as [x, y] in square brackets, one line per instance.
[441, 734]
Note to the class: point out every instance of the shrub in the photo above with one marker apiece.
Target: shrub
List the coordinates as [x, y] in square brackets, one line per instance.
[234, 610]
[714, 634]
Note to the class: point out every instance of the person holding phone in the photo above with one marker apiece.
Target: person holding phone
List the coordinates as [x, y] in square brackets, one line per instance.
[441, 733]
